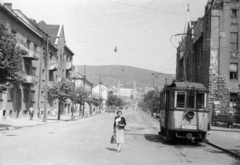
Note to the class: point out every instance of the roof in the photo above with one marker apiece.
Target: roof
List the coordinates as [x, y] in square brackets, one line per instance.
[186, 84]
[68, 49]
[52, 30]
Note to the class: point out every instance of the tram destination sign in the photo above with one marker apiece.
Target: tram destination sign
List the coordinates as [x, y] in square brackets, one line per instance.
[189, 127]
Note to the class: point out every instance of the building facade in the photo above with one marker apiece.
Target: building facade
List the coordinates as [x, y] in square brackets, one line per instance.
[214, 53]
[33, 43]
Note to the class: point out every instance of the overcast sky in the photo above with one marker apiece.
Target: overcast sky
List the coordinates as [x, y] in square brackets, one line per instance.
[140, 29]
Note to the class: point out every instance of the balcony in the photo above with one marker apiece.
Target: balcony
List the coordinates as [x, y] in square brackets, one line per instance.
[23, 47]
[31, 55]
[69, 65]
[53, 65]
[29, 79]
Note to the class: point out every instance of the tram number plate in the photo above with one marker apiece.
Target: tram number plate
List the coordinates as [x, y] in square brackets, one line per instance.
[189, 127]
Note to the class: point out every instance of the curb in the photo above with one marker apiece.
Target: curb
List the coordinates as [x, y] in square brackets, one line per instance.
[223, 149]
[25, 126]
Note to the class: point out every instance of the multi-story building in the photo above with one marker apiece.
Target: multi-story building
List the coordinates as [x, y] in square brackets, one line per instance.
[33, 42]
[211, 56]
[62, 64]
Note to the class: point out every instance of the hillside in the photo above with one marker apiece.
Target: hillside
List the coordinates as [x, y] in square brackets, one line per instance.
[111, 74]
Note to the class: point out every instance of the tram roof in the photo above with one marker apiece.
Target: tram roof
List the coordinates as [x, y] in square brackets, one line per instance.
[188, 85]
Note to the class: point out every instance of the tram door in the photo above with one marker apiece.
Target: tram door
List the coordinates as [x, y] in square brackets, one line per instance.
[166, 109]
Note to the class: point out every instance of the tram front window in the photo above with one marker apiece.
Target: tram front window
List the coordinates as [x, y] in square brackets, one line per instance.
[190, 101]
[180, 99]
[200, 100]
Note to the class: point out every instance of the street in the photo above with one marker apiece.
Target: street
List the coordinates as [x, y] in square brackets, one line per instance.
[87, 141]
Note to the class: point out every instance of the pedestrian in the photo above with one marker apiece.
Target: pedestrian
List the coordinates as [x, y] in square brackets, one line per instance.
[118, 128]
[230, 121]
[31, 110]
[54, 111]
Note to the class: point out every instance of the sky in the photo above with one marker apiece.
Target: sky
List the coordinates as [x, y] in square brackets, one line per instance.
[139, 29]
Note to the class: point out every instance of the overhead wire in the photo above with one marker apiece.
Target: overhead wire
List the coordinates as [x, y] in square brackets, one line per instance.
[127, 4]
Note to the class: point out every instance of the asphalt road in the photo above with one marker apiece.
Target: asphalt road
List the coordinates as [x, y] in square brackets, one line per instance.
[87, 142]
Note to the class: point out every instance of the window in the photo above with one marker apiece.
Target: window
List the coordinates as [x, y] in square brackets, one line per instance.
[10, 94]
[34, 71]
[233, 99]
[190, 100]
[180, 99]
[28, 44]
[233, 71]
[27, 69]
[32, 95]
[171, 99]
[50, 56]
[43, 73]
[51, 77]
[25, 94]
[200, 101]
[35, 48]
[234, 12]
[234, 41]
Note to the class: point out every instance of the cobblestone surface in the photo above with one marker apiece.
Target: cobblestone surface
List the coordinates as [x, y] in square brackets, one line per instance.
[87, 142]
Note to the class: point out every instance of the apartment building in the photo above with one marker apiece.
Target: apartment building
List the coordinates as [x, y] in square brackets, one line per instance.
[32, 39]
[211, 51]
[61, 64]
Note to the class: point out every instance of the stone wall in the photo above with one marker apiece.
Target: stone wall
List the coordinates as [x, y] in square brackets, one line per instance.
[218, 93]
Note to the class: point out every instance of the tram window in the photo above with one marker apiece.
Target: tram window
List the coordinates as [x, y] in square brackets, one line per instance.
[200, 100]
[172, 99]
[180, 99]
[190, 101]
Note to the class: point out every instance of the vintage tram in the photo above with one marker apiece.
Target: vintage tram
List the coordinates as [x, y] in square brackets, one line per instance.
[183, 111]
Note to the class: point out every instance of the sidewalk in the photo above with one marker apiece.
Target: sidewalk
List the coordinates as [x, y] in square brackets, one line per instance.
[13, 123]
[226, 139]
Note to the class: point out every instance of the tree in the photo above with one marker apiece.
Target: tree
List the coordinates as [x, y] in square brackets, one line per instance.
[10, 58]
[114, 100]
[148, 100]
[79, 96]
[62, 91]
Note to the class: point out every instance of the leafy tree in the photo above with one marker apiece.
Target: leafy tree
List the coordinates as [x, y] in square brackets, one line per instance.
[79, 96]
[114, 100]
[62, 91]
[148, 101]
[10, 58]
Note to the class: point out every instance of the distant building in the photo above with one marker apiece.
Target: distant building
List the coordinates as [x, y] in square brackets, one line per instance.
[102, 92]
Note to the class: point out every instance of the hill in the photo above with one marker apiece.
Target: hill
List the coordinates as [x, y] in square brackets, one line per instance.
[112, 74]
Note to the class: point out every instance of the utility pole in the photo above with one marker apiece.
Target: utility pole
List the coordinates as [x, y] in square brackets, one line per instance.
[84, 79]
[46, 83]
[100, 91]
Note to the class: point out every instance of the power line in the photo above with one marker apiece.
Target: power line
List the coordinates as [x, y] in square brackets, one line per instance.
[164, 11]
[113, 46]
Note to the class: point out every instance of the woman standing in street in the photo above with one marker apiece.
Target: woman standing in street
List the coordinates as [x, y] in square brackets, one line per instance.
[118, 128]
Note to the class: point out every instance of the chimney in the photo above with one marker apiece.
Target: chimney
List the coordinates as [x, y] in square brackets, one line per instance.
[8, 5]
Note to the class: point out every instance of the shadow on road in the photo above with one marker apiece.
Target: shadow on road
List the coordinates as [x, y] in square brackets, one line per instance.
[5, 125]
[111, 149]
[10, 135]
[152, 137]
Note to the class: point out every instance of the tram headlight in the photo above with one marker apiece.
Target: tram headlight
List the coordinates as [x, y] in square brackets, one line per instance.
[190, 115]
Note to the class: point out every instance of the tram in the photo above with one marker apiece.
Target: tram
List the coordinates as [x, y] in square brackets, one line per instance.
[183, 111]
